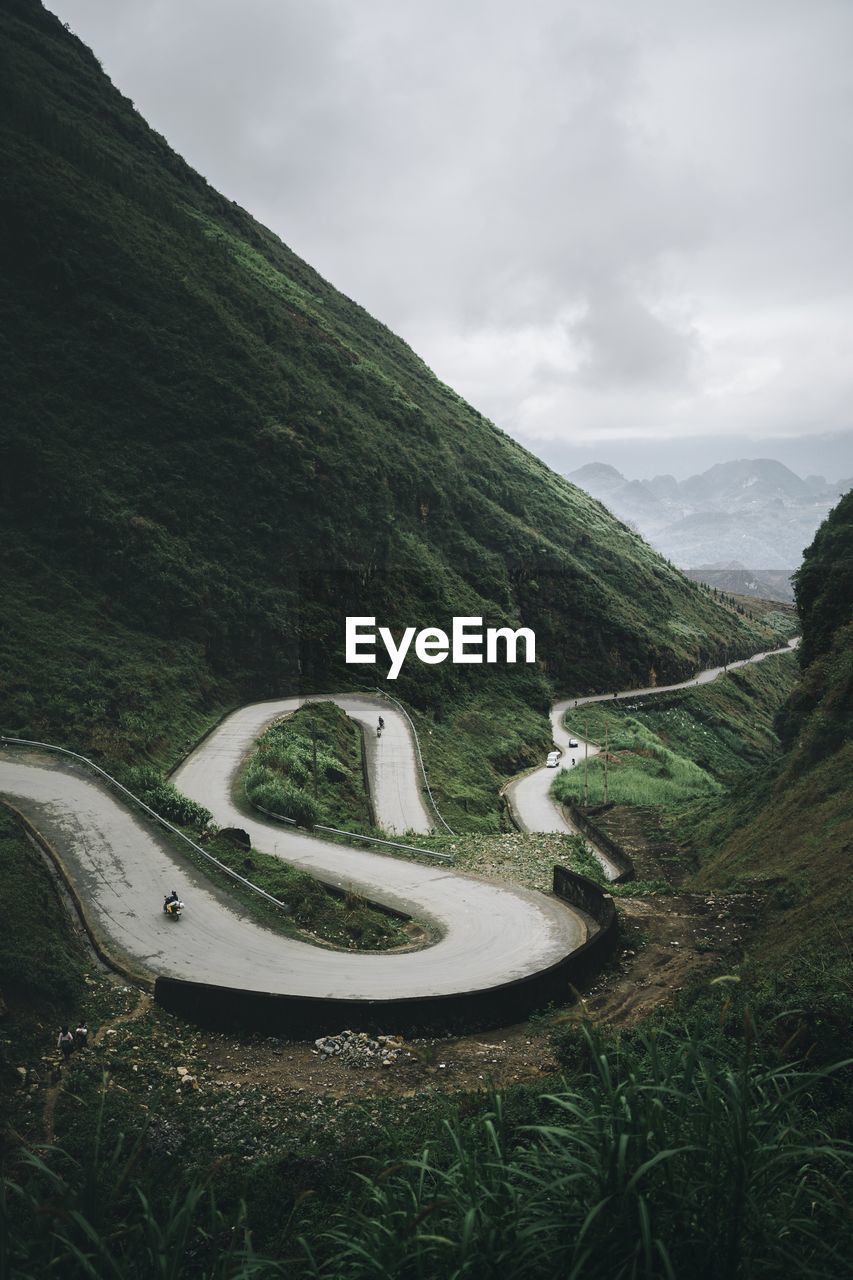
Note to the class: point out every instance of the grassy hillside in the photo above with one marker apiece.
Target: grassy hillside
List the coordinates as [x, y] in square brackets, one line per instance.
[281, 774]
[793, 826]
[692, 742]
[209, 457]
[753, 772]
[696, 1133]
[42, 959]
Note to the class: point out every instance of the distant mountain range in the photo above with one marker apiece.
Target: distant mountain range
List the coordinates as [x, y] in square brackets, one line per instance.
[741, 526]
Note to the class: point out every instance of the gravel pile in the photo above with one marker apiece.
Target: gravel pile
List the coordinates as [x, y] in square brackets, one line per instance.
[519, 859]
[358, 1049]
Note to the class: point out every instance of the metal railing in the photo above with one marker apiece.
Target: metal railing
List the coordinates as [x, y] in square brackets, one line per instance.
[349, 835]
[158, 817]
[235, 875]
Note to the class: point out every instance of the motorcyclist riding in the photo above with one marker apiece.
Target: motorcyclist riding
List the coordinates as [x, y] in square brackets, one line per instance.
[172, 904]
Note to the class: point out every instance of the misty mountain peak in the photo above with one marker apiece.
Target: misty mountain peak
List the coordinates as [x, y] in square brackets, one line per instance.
[752, 513]
[596, 473]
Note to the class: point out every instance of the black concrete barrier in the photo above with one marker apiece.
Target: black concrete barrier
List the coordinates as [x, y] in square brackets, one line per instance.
[589, 897]
[301, 1017]
[602, 840]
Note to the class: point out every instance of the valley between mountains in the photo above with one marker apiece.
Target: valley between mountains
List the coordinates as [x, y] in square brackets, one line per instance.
[210, 459]
[485, 934]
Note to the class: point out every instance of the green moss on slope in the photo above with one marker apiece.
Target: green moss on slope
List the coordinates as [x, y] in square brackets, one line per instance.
[209, 457]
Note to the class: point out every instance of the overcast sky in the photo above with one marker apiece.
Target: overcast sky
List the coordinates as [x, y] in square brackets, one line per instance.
[620, 228]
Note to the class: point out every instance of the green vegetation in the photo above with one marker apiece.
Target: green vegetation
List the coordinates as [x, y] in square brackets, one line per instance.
[789, 826]
[306, 905]
[671, 1160]
[782, 618]
[41, 961]
[70, 1208]
[723, 728]
[285, 777]
[823, 584]
[678, 1153]
[785, 622]
[638, 769]
[703, 1144]
[344, 919]
[787, 830]
[470, 751]
[150, 786]
[209, 457]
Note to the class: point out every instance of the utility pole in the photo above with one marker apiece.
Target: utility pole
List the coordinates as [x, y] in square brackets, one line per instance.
[606, 739]
[585, 764]
[313, 731]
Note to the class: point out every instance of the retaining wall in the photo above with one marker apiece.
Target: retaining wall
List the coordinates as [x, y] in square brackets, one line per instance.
[614, 851]
[299, 1017]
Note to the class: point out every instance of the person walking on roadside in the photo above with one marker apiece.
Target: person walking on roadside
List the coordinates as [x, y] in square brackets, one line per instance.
[81, 1035]
[65, 1042]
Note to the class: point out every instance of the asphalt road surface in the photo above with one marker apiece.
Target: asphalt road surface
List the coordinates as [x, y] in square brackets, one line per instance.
[208, 773]
[121, 866]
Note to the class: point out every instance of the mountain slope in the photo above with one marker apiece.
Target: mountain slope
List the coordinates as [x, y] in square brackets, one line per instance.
[794, 827]
[209, 457]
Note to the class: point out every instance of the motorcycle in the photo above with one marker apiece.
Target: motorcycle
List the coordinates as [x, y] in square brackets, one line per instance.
[173, 908]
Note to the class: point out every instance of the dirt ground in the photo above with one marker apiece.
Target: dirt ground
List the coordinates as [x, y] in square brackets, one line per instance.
[668, 942]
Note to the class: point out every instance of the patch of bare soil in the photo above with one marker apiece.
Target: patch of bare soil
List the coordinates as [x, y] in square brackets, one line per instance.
[468, 1062]
[638, 832]
[669, 942]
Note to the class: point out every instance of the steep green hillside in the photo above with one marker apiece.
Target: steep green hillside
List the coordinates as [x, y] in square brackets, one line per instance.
[688, 740]
[209, 457]
[793, 826]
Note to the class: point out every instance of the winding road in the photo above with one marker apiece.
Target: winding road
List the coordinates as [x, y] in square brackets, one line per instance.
[529, 797]
[120, 863]
[207, 774]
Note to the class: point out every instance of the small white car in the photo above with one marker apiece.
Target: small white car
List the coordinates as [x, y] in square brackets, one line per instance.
[553, 759]
[572, 743]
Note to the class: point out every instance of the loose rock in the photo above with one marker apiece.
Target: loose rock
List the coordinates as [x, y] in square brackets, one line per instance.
[358, 1049]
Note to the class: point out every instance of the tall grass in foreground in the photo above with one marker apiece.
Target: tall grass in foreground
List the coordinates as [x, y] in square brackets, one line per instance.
[684, 1167]
[89, 1218]
[674, 1159]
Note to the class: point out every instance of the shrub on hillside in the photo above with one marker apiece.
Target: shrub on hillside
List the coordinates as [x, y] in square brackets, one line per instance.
[163, 797]
[281, 796]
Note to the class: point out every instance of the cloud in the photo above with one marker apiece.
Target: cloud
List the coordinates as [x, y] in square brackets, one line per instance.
[626, 344]
[593, 220]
